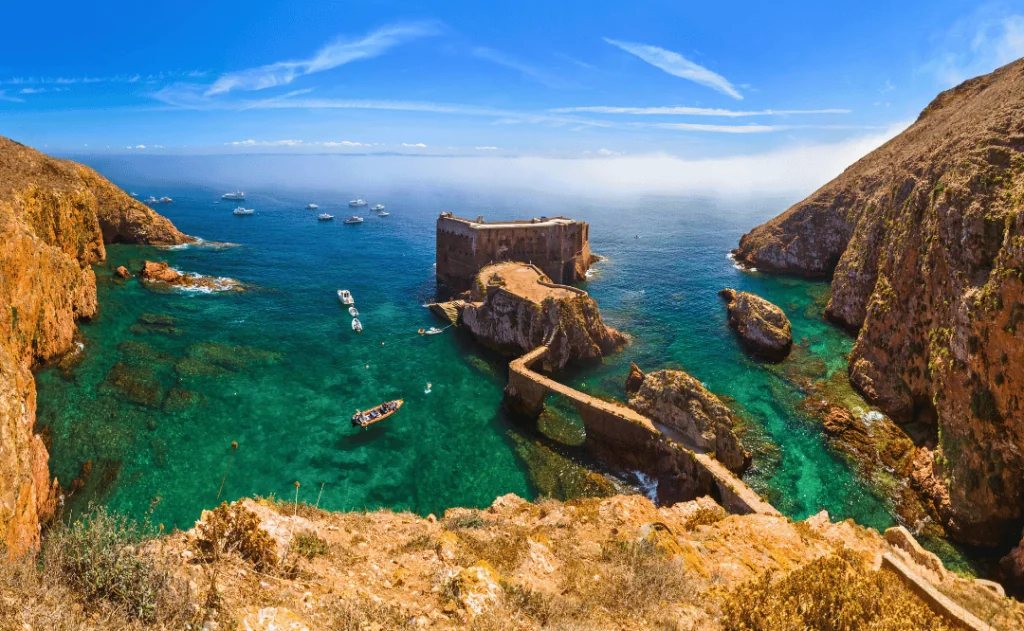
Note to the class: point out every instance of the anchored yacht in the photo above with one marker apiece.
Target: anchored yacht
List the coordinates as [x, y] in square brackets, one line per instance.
[243, 211]
[312, 207]
[346, 297]
[379, 207]
[356, 203]
[354, 219]
[325, 217]
[236, 196]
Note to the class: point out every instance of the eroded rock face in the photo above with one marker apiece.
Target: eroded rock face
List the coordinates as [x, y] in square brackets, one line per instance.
[679, 402]
[55, 216]
[763, 328]
[514, 307]
[925, 238]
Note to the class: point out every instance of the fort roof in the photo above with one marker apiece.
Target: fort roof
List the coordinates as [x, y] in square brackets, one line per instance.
[536, 222]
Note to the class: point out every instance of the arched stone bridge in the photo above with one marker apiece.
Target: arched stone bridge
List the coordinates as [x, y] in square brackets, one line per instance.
[630, 440]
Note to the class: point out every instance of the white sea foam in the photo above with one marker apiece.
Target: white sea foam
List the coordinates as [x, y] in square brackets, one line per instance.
[647, 485]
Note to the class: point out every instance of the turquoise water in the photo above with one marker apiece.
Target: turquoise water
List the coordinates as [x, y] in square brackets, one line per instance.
[170, 379]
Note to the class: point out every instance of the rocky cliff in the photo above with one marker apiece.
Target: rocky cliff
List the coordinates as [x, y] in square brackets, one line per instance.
[514, 308]
[763, 328]
[55, 216]
[924, 239]
[684, 407]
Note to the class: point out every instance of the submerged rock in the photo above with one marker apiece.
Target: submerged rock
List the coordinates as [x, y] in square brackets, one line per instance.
[763, 327]
[679, 402]
[122, 272]
[514, 308]
[179, 400]
[153, 323]
[136, 384]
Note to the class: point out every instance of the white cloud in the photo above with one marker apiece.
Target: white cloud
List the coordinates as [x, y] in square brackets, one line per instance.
[140, 146]
[690, 111]
[794, 170]
[331, 56]
[722, 129]
[265, 143]
[418, 145]
[608, 152]
[977, 44]
[526, 70]
[675, 64]
[343, 143]
[12, 99]
[488, 148]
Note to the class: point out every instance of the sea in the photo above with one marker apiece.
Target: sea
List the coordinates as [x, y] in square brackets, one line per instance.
[183, 399]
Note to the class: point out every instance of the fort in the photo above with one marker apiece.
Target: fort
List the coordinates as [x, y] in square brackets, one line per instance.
[559, 246]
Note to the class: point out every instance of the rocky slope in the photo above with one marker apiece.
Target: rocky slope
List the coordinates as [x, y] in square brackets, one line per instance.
[681, 404]
[763, 328]
[924, 239]
[55, 216]
[514, 307]
[601, 564]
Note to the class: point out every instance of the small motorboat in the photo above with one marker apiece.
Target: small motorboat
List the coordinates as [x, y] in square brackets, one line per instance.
[383, 213]
[428, 389]
[353, 219]
[311, 207]
[356, 203]
[217, 202]
[134, 194]
[152, 200]
[325, 217]
[379, 207]
[243, 211]
[346, 297]
[357, 326]
[376, 414]
[352, 311]
[433, 331]
[237, 196]
[166, 200]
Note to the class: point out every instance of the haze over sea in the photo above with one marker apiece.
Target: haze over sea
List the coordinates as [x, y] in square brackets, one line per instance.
[278, 370]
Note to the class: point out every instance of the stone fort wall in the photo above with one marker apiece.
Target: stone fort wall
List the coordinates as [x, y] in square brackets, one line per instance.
[559, 246]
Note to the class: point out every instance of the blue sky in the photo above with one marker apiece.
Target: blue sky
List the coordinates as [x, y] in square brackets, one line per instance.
[555, 79]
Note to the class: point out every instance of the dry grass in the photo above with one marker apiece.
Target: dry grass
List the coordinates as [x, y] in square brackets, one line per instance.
[357, 614]
[838, 592]
[233, 528]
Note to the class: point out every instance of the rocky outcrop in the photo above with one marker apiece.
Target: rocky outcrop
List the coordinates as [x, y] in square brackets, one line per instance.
[763, 328]
[689, 412]
[122, 272]
[515, 308]
[164, 274]
[55, 216]
[924, 240]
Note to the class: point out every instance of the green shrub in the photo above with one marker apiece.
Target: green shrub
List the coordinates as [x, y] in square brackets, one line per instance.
[307, 544]
[98, 556]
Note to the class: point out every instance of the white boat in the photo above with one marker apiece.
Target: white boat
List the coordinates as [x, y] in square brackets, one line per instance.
[217, 202]
[352, 311]
[134, 194]
[152, 200]
[356, 203]
[243, 211]
[379, 207]
[237, 195]
[383, 213]
[433, 331]
[357, 326]
[346, 297]
[325, 217]
[354, 219]
[166, 200]
[311, 207]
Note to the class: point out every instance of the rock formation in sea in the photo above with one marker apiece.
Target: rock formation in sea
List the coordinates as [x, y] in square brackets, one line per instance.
[924, 240]
[513, 307]
[55, 216]
[763, 328]
[163, 274]
[678, 402]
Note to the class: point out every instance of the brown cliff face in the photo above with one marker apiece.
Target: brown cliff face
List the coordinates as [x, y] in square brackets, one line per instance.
[925, 241]
[514, 307]
[55, 216]
[681, 404]
[763, 328]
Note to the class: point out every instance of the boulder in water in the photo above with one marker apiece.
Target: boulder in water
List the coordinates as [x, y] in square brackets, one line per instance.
[763, 327]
